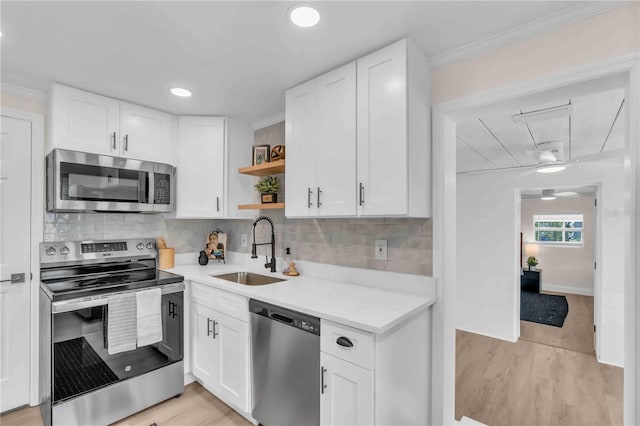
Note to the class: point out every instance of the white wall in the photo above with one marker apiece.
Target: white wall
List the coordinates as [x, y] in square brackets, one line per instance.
[488, 250]
[567, 269]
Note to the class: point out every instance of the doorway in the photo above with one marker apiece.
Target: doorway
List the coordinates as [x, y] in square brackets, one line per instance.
[445, 119]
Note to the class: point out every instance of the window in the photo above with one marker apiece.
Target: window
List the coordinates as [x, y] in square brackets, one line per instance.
[558, 228]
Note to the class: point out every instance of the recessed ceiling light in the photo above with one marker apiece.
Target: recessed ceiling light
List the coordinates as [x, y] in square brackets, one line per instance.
[304, 16]
[178, 91]
[550, 168]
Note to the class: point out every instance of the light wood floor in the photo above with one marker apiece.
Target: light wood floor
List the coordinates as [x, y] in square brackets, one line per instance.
[577, 332]
[195, 407]
[526, 383]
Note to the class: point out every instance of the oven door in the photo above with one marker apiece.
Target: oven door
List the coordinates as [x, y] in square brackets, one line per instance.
[80, 358]
[78, 181]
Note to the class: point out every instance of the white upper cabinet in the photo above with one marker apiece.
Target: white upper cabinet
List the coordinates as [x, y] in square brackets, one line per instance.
[359, 138]
[147, 134]
[301, 142]
[394, 154]
[321, 145]
[201, 167]
[83, 121]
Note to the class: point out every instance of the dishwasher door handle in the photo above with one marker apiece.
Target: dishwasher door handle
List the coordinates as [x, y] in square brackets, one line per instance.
[323, 385]
[280, 317]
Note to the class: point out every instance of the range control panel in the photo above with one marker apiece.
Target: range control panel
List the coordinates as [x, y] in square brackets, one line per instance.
[103, 247]
[70, 251]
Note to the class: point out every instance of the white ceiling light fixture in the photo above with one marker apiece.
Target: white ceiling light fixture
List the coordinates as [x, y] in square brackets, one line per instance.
[544, 114]
[548, 195]
[550, 168]
[304, 16]
[178, 91]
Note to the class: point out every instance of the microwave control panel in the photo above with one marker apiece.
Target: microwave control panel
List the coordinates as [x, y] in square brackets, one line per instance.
[162, 190]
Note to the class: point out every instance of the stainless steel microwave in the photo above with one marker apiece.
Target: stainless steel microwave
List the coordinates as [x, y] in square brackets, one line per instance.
[83, 182]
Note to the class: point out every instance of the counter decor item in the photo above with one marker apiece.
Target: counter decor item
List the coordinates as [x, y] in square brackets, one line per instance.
[203, 259]
[216, 245]
[261, 154]
[166, 255]
[532, 262]
[268, 187]
[277, 153]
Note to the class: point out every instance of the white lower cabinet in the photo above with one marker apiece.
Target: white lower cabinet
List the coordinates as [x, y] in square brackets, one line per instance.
[220, 354]
[347, 396]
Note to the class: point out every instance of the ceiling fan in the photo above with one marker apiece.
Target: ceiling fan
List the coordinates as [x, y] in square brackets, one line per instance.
[550, 157]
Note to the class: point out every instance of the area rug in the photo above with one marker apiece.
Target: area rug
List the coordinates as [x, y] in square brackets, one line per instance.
[545, 309]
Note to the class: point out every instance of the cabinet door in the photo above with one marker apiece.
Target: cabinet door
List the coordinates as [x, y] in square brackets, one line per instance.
[348, 396]
[147, 134]
[382, 131]
[201, 167]
[336, 147]
[82, 121]
[204, 354]
[232, 344]
[300, 139]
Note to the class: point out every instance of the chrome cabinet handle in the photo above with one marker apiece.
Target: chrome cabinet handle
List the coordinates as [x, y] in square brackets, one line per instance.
[361, 194]
[323, 385]
[215, 333]
[126, 142]
[113, 140]
[319, 192]
[15, 278]
[208, 326]
[309, 192]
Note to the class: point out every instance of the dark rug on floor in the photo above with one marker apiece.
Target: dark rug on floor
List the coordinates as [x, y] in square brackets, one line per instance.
[546, 309]
[78, 369]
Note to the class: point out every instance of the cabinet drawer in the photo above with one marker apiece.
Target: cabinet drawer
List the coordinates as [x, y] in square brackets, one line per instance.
[349, 344]
[231, 304]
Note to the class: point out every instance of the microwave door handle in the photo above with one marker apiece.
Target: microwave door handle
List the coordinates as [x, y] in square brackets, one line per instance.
[151, 187]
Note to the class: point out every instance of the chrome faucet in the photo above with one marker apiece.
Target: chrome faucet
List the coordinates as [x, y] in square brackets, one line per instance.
[254, 255]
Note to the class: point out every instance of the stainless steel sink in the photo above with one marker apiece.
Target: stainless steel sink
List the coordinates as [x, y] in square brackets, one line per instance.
[248, 278]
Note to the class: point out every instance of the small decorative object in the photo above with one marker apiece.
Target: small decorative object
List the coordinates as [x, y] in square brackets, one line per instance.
[216, 244]
[291, 270]
[268, 188]
[203, 259]
[277, 153]
[261, 154]
[532, 262]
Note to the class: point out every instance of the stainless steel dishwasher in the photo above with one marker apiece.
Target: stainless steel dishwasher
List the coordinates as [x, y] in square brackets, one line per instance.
[286, 366]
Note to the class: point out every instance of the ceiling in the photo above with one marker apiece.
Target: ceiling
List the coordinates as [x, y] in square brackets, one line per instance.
[238, 58]
[491, 140]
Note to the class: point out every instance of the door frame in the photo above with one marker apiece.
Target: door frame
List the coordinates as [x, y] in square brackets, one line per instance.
[36, 234]
[444, 226]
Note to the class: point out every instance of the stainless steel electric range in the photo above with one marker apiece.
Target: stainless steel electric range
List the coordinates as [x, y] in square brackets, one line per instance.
[81, 382]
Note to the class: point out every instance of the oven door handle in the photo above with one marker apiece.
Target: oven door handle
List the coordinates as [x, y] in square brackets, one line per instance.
[82, 303]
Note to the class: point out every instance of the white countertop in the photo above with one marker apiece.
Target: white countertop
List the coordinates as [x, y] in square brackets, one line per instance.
[364, 307]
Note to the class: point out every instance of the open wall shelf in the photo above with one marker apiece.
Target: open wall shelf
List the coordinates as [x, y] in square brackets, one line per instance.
[264, 169]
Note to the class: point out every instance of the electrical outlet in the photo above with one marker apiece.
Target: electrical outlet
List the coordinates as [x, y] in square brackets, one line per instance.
[243, 240]
[381, 249]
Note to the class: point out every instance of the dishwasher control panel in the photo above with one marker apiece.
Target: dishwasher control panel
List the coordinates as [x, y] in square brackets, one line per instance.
[307, 326]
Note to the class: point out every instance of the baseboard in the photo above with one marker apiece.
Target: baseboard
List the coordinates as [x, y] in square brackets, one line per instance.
[188, 378]
[567, 289]
[493, 336]
[613, 364]
[469, 421]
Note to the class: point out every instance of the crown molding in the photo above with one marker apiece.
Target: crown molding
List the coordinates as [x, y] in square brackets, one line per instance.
[32, 94]
[567, 16]
[268, 121]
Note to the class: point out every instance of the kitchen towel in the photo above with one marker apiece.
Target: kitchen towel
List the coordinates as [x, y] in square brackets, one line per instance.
[149, 318]
[121, 323]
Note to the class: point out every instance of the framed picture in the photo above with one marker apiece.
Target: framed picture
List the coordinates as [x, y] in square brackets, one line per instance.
[261, 154]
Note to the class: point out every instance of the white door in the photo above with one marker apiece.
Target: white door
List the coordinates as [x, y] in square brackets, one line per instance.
[382, 131]
[15, 241]
[84, 122]
[347, 399]
[203, 347]
[336, 149]
[201, 167]
[300, 139]
[147, 134]
[231, 339]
